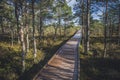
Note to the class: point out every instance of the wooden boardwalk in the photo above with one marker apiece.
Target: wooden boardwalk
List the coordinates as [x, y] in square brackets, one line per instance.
[64, 64]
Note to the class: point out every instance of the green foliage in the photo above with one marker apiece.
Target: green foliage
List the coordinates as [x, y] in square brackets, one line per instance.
[95, 67]
[97, 28]
[11, 58]
[9, 61]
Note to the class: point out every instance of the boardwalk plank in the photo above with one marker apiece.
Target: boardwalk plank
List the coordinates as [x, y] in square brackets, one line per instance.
[63, 64]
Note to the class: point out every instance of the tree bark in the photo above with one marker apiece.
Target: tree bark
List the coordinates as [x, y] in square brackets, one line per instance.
[16, 15]
[55, 34]
[27, 39]
[110, 35]
[2, 28]
[83, 33]
[23, 47]
[87, 28]
[59, 20]
[41, 25]
[12, 35]
[34, 40]
[119, 25]
[83, 29]
[105, 30]
[65, 29]
[27, 29]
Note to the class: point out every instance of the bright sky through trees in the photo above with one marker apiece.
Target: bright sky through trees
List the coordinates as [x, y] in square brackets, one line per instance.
[94, 15]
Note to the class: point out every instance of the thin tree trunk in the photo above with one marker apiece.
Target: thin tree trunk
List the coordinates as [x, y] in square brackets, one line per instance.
[87, 27]
[59, 20]
[12, 37]
[23, 48]
[110, 35]
[22, 39]
[41, 25]
[27, 29]
[105, 31]
[55, 34]
[16, 15]
[85, 42]
[34, 40]
[83, 33]
[88, 46]
[27, 39]
[119, 25]
[40, 30]
[65, 30]
[112, 27]
[2, 28]
[83, 27]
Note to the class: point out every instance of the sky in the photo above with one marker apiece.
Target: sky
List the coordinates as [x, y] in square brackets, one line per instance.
[94, 15]
[71, 3]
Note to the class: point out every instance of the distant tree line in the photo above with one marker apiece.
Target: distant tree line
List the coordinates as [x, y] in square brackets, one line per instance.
[110, 19]
[24, 20]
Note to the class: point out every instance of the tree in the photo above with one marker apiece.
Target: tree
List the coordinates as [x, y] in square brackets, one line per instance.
[119, 22]
[33, 25]
[26, 25]
[17, 17]
[84, 15]
[87, 28]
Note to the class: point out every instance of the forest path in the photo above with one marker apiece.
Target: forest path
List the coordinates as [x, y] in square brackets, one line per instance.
[64, 64]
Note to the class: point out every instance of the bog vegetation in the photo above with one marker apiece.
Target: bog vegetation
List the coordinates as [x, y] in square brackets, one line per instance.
[30, 33]
[32, 30]
[100, 47]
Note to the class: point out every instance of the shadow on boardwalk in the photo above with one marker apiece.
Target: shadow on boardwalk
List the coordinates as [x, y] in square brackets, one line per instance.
[30, 74]
[62, 66]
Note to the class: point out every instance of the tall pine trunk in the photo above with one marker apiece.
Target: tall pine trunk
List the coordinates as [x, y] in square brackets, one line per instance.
[23, 47]
[119, 25]
[83, 27]
[12, 34]
[105, 30]
[88, 24]
[27, 40]
[34, 40]
[55, 31]
[59, 20]
[41, 25]
[110, 35]
[83, 33]
[27, 29]
[16, 15]
[87, 28]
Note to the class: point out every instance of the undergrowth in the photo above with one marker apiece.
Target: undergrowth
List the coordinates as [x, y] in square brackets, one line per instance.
[11, 56]
[94, 67]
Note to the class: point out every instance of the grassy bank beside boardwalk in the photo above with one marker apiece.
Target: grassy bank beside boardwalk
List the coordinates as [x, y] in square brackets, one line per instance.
[94, 67]
[11, 56]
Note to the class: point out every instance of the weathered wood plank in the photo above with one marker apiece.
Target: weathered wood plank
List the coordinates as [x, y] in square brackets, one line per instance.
[64, 64]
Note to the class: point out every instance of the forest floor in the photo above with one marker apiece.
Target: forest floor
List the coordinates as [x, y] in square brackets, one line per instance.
[94, 67]
[11, 57]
